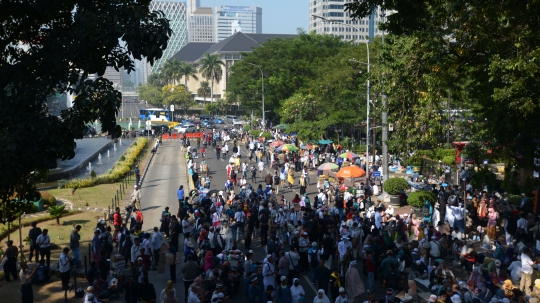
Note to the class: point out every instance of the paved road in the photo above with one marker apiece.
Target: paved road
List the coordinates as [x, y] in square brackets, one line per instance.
[166, 172]
[130, 109]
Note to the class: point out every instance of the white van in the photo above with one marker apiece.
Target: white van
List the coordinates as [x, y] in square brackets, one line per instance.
[231, 119]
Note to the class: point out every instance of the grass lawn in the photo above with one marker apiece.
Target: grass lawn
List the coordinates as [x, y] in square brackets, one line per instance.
[51, 292]
[95, 196]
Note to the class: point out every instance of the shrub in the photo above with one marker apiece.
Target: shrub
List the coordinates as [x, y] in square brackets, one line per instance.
[514, 199]
[92, 174]
[267, 135]
[123, 158]
[394, 186]
[255, 132]
[48, 198]
[246, 128]
[418, 198]
[415, 160]
[57, 212]
[449, 160]
[441, 153]
[121, 169]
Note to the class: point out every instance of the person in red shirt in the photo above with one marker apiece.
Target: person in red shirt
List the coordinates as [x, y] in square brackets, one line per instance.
[146, 258]
[371, 267]
[139, 218]
[117, 223]
[203, 151]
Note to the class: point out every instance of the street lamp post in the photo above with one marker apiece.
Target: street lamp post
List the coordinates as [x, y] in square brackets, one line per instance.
[262, 79]
[368, 83]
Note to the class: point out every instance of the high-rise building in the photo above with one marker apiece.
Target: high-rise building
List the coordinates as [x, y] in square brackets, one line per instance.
[176, 13]
[229, 20]
[350, 30]
[201, 25]
[192, 5]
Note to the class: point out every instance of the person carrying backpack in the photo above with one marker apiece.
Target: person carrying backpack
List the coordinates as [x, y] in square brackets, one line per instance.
[314, 258]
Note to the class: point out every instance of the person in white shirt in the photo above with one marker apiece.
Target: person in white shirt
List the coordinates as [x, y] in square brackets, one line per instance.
[187, 227]
[44, 243]
[239, 217]
[515, 270]
[63, 263]
[343, 245]
[269, 271]
[135, 250]
[261, 167]
[157, 240]
[527, 270]
[342, 298]
[297, 291]
[89, 297]
[435, 247]
[523, 224]
[378, 219]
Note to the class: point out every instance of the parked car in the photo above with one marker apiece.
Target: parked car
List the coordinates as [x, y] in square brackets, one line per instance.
[231, 119]
[205, 117]
[219, 121]
[186, 128]
[208, 124]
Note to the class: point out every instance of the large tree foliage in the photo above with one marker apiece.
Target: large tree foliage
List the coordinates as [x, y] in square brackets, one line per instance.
[178, 96]
[52, 46]
[298, 71]
[488, 53]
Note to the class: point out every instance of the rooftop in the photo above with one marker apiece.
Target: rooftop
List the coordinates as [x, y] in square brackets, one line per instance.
[237, 43]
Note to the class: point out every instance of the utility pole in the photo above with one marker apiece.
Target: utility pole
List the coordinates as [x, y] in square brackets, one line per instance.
[384, 126]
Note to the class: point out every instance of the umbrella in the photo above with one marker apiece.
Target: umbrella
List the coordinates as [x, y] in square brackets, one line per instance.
[352, 171]
[348, 155]
[325, 141]
[328, 166]
[287, 147]
[281, 126]
[277, 143]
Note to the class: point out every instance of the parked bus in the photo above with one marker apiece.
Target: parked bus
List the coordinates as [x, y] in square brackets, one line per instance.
[155, 114]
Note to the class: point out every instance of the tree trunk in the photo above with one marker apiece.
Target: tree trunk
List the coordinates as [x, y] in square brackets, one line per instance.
[212, 92]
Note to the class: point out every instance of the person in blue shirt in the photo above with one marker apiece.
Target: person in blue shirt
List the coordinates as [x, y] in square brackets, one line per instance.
[180, 194]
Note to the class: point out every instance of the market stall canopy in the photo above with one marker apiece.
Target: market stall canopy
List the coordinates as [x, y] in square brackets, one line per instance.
[328, 166]
[281, 126]
[325, 141]
[352, 171]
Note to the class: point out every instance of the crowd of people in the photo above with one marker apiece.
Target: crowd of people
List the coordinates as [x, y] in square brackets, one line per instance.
[337, 237]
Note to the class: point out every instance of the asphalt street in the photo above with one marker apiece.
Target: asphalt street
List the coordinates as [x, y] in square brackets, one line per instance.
[130, 109]
[168, 170]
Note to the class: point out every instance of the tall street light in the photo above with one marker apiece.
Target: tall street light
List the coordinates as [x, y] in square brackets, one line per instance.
[262, 79]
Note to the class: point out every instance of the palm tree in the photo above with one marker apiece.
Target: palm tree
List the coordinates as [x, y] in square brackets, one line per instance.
[204, 90]
[170, 70]
[57, 211]
[187, 70]
[211, 69]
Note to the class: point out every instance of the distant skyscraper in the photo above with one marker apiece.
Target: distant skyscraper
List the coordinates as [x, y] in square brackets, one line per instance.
[335, 10]
[201, 25]
[176, 13]
[192, 5]
[231, 19]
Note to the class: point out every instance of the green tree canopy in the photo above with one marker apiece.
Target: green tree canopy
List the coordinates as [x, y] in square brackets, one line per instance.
[49, 47]
[204, 89]
[187, 71]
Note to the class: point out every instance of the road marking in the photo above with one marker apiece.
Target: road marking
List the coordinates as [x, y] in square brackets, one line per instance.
[310, 284]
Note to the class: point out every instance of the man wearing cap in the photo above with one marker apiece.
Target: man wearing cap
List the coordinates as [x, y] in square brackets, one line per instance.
[283, 292]
[343, 245]
[136, 197]
[269, 271]
[342, 298]
[90, 296]
[255, 294]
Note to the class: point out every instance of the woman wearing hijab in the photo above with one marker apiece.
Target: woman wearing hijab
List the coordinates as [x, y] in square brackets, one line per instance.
[353, 283]
[297, 291]
[165, 292]
[321, 297]
[492, 223]
[475, 278]
[484, 293]
[208, 257]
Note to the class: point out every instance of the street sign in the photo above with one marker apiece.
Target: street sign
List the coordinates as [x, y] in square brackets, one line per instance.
[172, 107]
[376, 174]
[148, 127]
[148, 123]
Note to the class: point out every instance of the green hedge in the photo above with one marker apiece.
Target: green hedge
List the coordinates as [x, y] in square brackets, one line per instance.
[48, 198]
[418, 198]
[120, 169]
[394, 186]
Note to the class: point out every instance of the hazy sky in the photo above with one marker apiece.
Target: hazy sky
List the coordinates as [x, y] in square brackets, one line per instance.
[279, 16]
